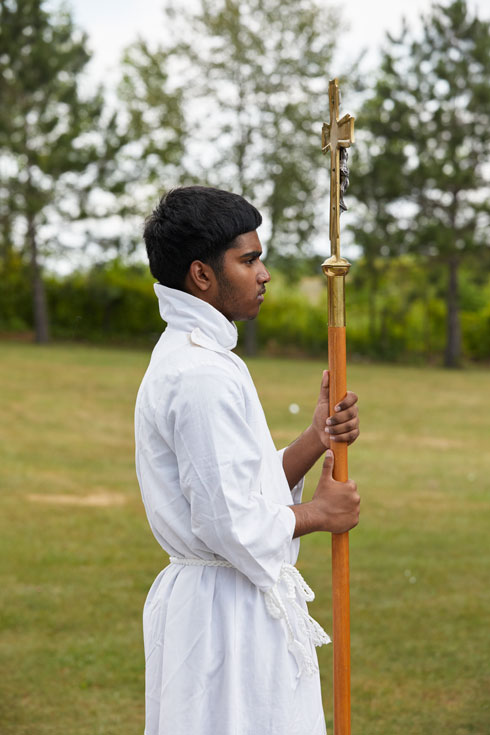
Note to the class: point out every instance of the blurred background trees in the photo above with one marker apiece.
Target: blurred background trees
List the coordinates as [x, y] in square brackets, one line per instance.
[241, 109]
[247, 99]
[250, 95]
[422, 173]
[45, 142]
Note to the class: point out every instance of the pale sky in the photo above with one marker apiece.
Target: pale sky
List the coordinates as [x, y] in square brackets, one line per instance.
[114, 24]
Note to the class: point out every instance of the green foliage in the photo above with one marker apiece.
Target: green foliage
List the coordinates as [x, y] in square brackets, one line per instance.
[15, 295]
[110, 302]
[476, 322]
[114, 302]
[424, 144]
[289, 324]
[409, 315]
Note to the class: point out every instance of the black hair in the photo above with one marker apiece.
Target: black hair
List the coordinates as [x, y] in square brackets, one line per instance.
[194, 223]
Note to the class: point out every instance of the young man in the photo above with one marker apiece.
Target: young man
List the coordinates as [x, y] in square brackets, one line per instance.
[229, 644]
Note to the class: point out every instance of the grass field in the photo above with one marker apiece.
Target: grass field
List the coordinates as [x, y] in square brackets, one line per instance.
[77, 556]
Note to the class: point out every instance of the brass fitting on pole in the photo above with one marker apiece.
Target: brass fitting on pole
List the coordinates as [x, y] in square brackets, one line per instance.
[336, 269]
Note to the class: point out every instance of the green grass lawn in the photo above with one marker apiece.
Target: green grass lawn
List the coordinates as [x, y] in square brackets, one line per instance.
[77, 555]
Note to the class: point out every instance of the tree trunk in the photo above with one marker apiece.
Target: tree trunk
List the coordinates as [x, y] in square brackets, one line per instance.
[6, 242]
[372, 305]
[38, 290]
[427, 331]
[250, 331]
[250, 338]
[453, 334]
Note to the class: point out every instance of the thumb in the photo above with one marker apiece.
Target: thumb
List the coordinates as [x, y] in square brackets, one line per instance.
[324, 384]
[328, 462]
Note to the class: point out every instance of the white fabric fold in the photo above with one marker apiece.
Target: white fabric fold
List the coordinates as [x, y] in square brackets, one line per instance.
[186, 313]
[276, 603]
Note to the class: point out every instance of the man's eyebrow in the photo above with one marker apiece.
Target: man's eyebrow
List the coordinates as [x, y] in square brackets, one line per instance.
[252, 254]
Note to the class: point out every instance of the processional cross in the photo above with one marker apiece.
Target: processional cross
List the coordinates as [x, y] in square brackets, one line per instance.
[337, 136]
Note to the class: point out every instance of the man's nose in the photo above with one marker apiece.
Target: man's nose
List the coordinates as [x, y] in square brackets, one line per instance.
[264, 276]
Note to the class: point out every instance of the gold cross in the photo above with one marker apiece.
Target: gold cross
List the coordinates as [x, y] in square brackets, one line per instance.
[336, 134]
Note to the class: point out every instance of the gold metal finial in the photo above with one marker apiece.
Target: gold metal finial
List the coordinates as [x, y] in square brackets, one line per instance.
[336, 134]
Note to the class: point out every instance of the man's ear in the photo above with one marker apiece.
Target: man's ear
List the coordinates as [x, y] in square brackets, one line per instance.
[200, 275]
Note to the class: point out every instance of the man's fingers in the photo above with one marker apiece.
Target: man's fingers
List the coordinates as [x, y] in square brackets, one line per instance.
[341, 427]
[349, 400]
[347, 437]
[343, 417]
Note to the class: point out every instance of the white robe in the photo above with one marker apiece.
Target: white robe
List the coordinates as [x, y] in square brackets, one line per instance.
[213, 485]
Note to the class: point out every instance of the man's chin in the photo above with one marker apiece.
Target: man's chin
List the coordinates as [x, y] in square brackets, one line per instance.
[246, 317]
[254, 315]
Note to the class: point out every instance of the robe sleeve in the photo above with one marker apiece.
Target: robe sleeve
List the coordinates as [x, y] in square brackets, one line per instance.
[219, 461]
[297, 490]
[297, 496]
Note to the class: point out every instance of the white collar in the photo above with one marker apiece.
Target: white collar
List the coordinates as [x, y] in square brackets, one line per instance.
[208, 326]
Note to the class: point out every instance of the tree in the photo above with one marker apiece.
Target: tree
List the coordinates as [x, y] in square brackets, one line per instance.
[422, 165]
[254, 90]
[154, 125]
[47, 138]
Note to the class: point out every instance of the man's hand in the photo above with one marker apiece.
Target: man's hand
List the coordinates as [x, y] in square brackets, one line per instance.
[337, 502]
[343, 426]
[334, 507]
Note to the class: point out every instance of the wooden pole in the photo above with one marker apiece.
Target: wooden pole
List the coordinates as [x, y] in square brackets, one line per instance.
[340, 550]
[335, 135]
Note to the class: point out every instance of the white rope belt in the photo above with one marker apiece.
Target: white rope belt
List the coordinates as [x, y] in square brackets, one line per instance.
[190, 561]
[275, 602]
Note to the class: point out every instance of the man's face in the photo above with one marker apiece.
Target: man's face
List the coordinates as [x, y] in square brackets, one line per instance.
[241, 279]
